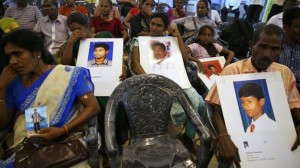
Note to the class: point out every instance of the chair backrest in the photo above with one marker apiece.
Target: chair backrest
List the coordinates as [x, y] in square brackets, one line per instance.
[147, 100]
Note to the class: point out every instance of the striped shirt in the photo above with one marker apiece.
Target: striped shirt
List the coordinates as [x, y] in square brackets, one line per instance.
[55, 33]
[290, 57]
[27, 17]
[245, 66]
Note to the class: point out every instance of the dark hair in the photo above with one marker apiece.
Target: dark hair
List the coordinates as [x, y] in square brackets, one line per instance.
[287, 4]
[103, 45]
[289, 15]
[55, 3]
[163, 16]
[143, 1]
[251, 89]
[109, 2]
[211, 65]
[79, 18]
[28, 40]
[211, 49]
[269, 29]
[159, 44]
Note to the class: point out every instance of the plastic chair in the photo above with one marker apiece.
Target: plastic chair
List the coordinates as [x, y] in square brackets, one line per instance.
[147, 100]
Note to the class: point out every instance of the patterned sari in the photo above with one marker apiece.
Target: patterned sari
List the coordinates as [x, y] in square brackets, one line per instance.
[58, 89]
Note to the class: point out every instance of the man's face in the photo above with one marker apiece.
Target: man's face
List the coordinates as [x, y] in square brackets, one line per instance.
[252, 106]
[159, 52]
[105, 7]
[266, 50]
[70, 2]
[21, 2]
[157, 27]
[49, 8]
[293, 31]
[100, 52]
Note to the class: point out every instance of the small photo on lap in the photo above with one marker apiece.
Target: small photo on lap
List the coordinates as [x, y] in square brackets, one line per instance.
[36, 119]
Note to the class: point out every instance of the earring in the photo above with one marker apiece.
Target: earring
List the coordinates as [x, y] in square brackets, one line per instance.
[39, 57]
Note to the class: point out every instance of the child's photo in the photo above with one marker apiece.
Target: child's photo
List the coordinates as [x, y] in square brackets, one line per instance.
[100, 54]
[255, 106]
[36, 119]
[160, 55]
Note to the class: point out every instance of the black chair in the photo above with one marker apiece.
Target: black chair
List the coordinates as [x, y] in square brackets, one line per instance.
[92, 142]
[147, 100]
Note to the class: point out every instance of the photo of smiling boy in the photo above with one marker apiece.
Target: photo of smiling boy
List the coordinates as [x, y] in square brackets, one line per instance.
[101, 50]
[252, 100]
[161, 58]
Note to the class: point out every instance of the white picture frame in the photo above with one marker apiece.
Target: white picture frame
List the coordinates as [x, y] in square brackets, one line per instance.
[104, 77]
[218, 63]
[174, 70]
[269, 146]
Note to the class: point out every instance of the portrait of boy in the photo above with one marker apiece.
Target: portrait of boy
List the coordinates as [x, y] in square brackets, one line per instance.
[100, 53]
[252, 100]
[161, 58]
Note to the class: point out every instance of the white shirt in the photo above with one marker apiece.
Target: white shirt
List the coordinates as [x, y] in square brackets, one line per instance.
[167, 63]
[276, 20]
[215, 16]
[263, 123]
[257, 2]
[234, 3]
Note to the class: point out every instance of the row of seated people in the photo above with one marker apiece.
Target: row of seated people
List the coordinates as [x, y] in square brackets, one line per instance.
[158, 26]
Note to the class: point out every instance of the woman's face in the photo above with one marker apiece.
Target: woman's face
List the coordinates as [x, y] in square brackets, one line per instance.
[206, 36]
[179, 4]
[157, 27]
[22, 60]
[201, 9]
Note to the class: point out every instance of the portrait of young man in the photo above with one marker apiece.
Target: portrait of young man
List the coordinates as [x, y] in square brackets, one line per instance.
[100, 54]
[253, 102]
[161, 58]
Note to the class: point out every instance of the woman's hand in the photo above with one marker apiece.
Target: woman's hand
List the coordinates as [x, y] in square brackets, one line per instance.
[174, 31]
[76, 35]
[50, 133]
[201, 67]
[8, 74]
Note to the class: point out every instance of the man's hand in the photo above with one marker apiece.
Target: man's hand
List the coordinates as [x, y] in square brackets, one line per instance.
[227, 152]
[297, 142]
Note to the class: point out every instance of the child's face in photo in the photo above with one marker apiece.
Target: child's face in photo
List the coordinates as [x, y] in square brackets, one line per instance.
[158, 52]
[252, 106]
[206, 36]
[100, 52]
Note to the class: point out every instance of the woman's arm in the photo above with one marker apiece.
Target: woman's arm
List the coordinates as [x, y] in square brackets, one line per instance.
[6, 114]
[229, 54]
[182, 47]
[67, 58]
[127, 20]
[91, 108]
[135, 63]
[201, 67]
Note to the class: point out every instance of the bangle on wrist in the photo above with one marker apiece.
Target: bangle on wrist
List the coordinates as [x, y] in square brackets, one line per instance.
[66, 130]
[2, 100]
[216, 139]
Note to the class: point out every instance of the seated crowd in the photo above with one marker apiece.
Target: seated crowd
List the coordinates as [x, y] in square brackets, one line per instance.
[37, 51]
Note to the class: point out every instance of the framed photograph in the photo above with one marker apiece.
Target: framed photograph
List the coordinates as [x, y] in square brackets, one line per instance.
[214, 67]
[103, 57]
[258, 119]
[36, 119]
[161, 55]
